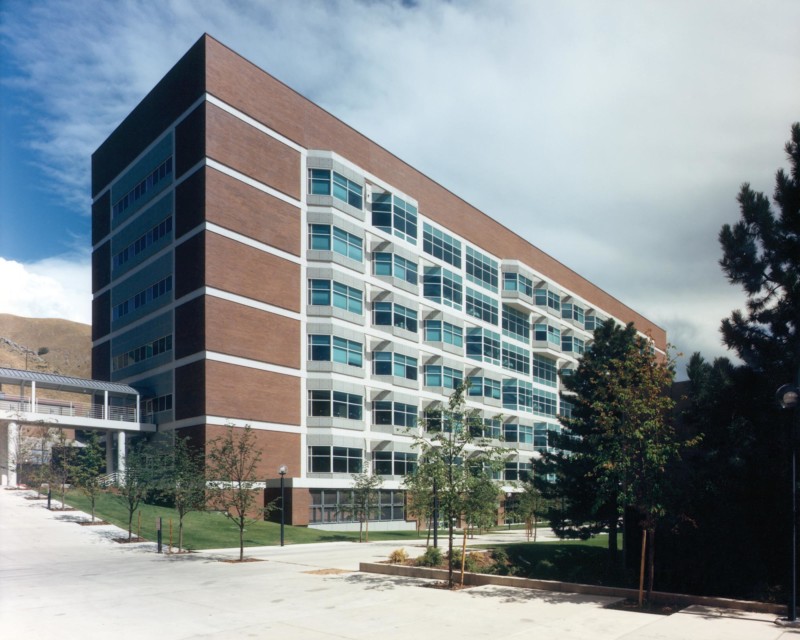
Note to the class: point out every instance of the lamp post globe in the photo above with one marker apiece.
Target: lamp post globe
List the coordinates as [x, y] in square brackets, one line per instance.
[282, 470]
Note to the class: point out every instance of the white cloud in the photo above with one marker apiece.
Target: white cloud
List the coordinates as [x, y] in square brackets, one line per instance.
[53, 288]
[612, 135]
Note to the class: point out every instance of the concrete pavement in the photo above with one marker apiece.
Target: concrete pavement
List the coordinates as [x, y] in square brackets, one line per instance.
[61, 580]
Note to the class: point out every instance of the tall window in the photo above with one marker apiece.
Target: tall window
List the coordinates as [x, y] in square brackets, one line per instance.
[324, 237]
[443, 286]
[442, 245]
[394, 315]
[161, 173]
[514, 432]
[387, 363]
[441, 331]
[483, 345]
[545, 403]
[516, 324]
[144, 352]
[482, 306]
[544, 370]
[145, 296]
[390, 264]
[517, 394]
[394, 215]
[335, 404]
[573, 344]
[488, 428]
[440, 376]
[516, 358]
[331, 293]
[482, 270]
[327, 348]
[324, 182]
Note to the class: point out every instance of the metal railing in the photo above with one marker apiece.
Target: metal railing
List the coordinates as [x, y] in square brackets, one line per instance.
[68, 408]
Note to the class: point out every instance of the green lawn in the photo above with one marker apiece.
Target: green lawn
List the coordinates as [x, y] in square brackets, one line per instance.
[584, 561]
[212, 530]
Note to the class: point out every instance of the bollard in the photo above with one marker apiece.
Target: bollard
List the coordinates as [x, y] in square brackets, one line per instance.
[49, 496]
[158, 530]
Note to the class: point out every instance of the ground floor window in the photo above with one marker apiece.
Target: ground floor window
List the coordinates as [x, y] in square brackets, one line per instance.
[330, 506]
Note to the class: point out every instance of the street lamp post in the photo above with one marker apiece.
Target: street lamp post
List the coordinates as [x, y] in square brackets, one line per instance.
[282, 471]
[788, 397]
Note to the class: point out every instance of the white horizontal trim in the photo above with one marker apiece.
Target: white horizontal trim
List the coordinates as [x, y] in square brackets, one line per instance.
[250, 181]
[254, 123]
[249, 302]
[251, 364]
[250, 242]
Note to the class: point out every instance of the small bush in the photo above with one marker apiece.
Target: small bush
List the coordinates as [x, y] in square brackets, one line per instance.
[471, 564]
[431, 558]
[398, 556]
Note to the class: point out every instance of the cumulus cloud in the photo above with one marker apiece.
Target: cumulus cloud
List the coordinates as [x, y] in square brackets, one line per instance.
[614, 136]
[53, 288]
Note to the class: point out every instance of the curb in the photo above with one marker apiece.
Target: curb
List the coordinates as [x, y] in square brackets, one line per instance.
[658, 597]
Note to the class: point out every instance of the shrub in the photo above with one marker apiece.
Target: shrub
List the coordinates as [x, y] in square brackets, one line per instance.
[431, 558]
[471, 563]
[398, 556]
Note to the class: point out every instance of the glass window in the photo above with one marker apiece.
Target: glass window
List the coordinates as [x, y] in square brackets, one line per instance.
[516, 358]
[397, 463]
[442, 245]
[332, 293]
[546, 298]
[482, 306]
[485, 387]
[391, 314]
[516, 324]
[483, 345]
[443, 286]
[571, 311]
[335, 404]
[347, 244]
[319, 348]
[440, 331]
[517, 282]
[544, 370]
[545, 403]
[482, 270]
[543, 332]
[389, 264]
[441, 376]
[320, 182]
[394, 215]
[517, 394]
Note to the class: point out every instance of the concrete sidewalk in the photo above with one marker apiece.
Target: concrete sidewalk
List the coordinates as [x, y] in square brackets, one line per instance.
[61, 580]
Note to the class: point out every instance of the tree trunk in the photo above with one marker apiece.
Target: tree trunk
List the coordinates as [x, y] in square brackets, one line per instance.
[641, 567]
[450, 554]
[241, 540]
[613, 544]
[180, 533]
[651, 562]
[463, 556]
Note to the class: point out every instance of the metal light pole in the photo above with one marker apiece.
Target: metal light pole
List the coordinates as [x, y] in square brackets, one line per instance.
[435, 516]
[789, 398]
[282, 471]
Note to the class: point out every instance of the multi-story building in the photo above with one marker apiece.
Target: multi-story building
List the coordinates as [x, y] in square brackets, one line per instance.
[259, 262]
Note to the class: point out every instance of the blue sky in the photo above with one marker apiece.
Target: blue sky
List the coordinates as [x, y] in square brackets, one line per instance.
[612, 135]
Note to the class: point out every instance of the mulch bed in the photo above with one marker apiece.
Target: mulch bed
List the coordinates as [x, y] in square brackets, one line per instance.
[656, 609]
[131, 541]
[237, 561]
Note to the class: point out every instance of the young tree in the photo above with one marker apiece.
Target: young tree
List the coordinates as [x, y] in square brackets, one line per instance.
[366, 492]
[61, 462]
[86, 468]
[138, 480]
[761, 253]
[232, 464]
[450, 456]
[185, 483]
[420, 498]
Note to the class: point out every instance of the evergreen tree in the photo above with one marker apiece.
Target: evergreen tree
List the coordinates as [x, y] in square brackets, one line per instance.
[761, 253]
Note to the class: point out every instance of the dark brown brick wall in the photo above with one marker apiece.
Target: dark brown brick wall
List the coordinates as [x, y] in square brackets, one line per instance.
[244, 209]
[190, 265]
[101, 266]
[236, 330]
[247, 88]
[250, 394]
[101, 217]
[190, 203]
[238, 145]
[182, 85]
[190, 327]
[248, 272]
[101, 315]
[190, 384]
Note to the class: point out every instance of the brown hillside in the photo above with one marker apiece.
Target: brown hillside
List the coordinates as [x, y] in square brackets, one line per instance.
[68, 345]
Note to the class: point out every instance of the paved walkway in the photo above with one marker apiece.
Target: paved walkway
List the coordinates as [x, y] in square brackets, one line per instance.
[60, 580]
